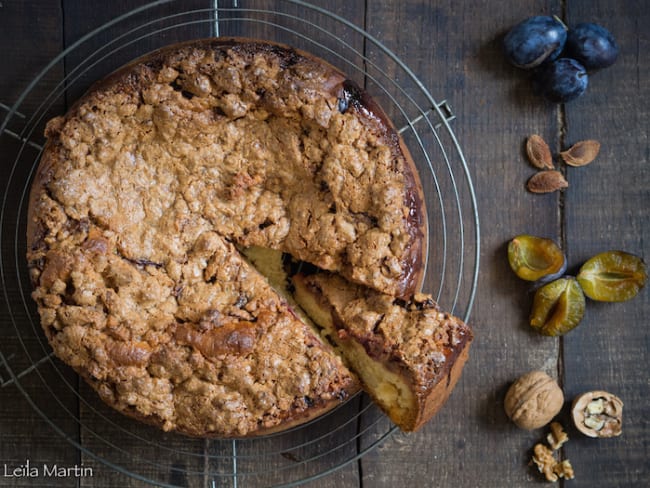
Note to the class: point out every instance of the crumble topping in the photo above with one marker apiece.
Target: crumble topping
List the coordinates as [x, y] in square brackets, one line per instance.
[143, 189]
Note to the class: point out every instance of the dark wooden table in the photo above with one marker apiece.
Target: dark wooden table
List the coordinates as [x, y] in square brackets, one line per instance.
[454, 48]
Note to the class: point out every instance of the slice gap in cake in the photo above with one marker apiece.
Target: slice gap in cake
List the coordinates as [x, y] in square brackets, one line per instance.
[278, 268]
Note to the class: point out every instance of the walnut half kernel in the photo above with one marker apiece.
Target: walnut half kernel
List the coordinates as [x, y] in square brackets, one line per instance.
[557, 437]
[543, 457]
[549, 466]
[598, 414]
[563, 469]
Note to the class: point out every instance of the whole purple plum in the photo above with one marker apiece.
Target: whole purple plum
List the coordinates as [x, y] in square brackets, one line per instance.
[592, 45]
[562, 80]
[534, 41]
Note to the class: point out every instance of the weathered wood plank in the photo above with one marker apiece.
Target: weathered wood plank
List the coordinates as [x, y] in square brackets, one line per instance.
[455, 48]
[607, 208]
[303, 453]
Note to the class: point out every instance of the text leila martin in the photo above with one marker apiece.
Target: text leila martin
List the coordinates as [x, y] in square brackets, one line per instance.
[45, 470]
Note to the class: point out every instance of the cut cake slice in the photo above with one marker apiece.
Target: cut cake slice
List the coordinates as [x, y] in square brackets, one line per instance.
[407, 354]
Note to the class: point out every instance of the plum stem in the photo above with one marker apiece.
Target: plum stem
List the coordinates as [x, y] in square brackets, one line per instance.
[560, 21]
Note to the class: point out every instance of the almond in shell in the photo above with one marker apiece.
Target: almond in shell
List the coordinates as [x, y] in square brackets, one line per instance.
[581, 153]
[546, 182]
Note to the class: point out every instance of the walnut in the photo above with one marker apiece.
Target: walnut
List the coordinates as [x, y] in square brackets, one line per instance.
[533, 400]
[557, 437]
[564, 470]
[598, 414]
[549, 466]
[543, 458]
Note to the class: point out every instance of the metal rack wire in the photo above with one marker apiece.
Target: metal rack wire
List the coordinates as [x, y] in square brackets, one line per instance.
[304, 453]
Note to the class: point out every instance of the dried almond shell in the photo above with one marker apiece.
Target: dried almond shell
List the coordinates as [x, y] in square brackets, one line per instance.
[546, 182]
[539, 154]
[581, 153]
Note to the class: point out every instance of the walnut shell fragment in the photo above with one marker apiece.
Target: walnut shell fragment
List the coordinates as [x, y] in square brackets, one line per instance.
[539, 154]
[581, 153]
[598, 414]
[533, 400]
[546, 182]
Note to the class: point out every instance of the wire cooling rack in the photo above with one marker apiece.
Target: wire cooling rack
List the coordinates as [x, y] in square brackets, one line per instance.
[304, 453]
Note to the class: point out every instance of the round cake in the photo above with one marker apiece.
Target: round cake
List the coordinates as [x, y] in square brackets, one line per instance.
[153, 184]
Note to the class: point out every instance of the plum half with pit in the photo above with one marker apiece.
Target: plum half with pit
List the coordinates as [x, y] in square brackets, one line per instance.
[558, 307]
[534, 41]
[562, 80]
[592, 45]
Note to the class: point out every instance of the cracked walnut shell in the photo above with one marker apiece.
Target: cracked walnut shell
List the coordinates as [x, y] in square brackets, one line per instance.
[533, 400]
[598, 414]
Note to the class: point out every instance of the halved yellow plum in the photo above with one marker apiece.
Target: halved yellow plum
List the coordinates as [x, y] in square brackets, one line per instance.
[533, 258]
[613, 276]
[558, 307]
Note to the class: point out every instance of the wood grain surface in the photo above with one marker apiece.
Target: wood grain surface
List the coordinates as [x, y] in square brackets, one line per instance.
[454, 48]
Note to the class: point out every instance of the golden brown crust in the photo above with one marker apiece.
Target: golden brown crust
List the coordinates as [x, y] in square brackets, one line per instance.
[433, 400]
[295, 419]
[142, 189]
[136, 290]
[424, 346]
[123, 307]
[370, 113]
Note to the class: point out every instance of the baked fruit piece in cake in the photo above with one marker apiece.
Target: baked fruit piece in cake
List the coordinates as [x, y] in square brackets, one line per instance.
[408, 354]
